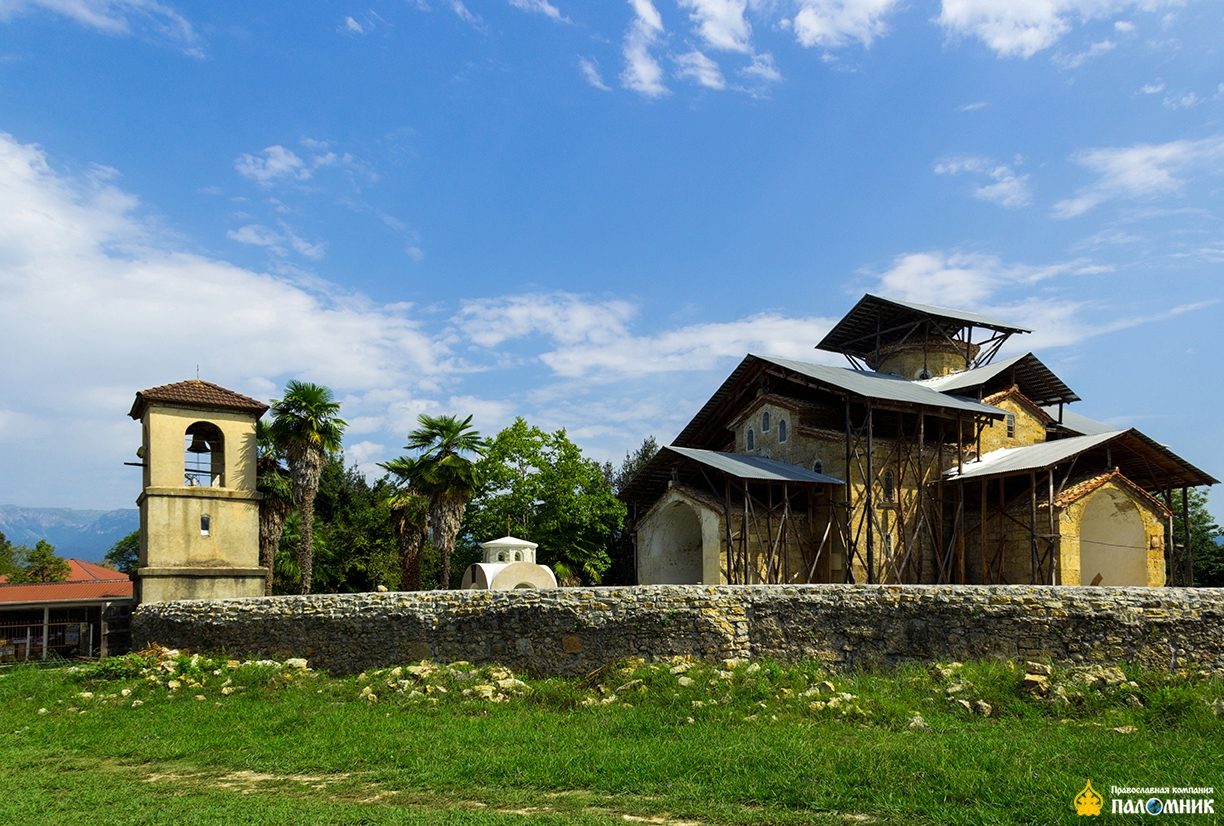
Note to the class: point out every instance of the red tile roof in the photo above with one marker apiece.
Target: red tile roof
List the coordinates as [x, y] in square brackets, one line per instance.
[196, 393]
[86, 582]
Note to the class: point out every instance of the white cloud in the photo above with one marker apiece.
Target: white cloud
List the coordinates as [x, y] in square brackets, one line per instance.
[696, 347]
[278, 162]
[351, 25]
[464, 14]
[1152, 88]
[703, 70]
[541, 7]
[642, 72]
[1076, 60]
[721, 23]
[1142, 171]
[762, 68]
[1008, 189]
[834, 23]
[1185, 101]
[590, 73]
[958, 279]
[119, 18]
[96, 303]
[564, 317]
[259, 236]
[1024, 27]
[973, 107]
[1124, 26]
[595, 339]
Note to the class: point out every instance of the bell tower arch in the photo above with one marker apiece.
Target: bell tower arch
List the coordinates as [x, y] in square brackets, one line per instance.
[199, 508]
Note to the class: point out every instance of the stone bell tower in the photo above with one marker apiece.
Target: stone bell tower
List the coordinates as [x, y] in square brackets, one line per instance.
[199, 509]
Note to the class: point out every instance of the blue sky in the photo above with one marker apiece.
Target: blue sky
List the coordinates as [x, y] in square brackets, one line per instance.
[587, 213]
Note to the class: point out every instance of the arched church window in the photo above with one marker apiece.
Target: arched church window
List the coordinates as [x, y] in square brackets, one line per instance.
[204, 456]
[765, 422]
[781, 430]
[889, 485]
[818, 466]
[751, 440]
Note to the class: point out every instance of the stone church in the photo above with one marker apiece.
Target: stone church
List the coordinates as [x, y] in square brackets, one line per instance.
[925, 461]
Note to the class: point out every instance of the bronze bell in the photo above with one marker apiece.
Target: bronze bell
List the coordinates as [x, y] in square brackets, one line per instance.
[198, 445]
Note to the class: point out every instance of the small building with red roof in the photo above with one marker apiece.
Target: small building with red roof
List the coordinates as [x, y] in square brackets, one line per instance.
[87, 614]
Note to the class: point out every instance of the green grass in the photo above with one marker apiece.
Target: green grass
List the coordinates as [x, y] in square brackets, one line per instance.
[749, 744]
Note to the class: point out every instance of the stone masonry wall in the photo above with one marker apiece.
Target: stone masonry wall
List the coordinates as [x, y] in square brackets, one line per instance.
[578, 630]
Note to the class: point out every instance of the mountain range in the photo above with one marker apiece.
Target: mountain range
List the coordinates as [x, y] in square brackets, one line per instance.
[82, 534]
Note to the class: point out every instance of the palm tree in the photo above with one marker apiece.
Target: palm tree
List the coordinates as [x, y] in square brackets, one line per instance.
[276, 489]
[307, 426]
[409, 519]
[446, 476]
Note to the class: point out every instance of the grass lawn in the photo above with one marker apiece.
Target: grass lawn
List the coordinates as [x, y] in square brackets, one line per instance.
[166, 738]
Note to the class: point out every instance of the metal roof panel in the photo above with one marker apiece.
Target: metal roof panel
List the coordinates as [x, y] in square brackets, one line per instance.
[883, 387]
[1036, 381]
[1029, 457]
[755, 468]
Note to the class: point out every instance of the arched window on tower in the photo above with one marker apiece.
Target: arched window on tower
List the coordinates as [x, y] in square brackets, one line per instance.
[751, 440]
[765, 422]
[889, 485]
[204, 456]
[781, 430]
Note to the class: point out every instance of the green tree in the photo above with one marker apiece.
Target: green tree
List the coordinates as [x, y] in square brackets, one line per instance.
[124, 555]
[447, 477]
[538, 486]
[10, 558]
[619, 478]
[307, 425]
[40, 564]
[1208, 556]
[409, 519]
[354, 549]
[275, 486]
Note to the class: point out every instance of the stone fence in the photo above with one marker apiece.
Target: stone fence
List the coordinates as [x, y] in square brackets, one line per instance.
[578, 630]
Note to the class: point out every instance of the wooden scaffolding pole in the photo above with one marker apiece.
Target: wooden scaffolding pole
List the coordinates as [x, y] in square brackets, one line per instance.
[1188, 532]
[869, 487]
[1033, 524]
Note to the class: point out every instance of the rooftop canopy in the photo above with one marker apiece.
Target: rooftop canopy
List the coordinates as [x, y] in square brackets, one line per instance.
[801, 379]
[876, 323]
[1036, 381]
[1147, 463]
[674, 462]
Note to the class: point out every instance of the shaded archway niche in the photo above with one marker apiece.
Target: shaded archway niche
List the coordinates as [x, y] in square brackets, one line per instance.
[675, 546]
[1113, 541]
[204, 456]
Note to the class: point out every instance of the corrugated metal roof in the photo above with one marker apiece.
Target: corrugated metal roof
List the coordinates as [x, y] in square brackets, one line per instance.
[855, 332]
[881, 387]
[955, 315]
[755, 468]
[1029, 457]
[1076, 423]
[1036, 381]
